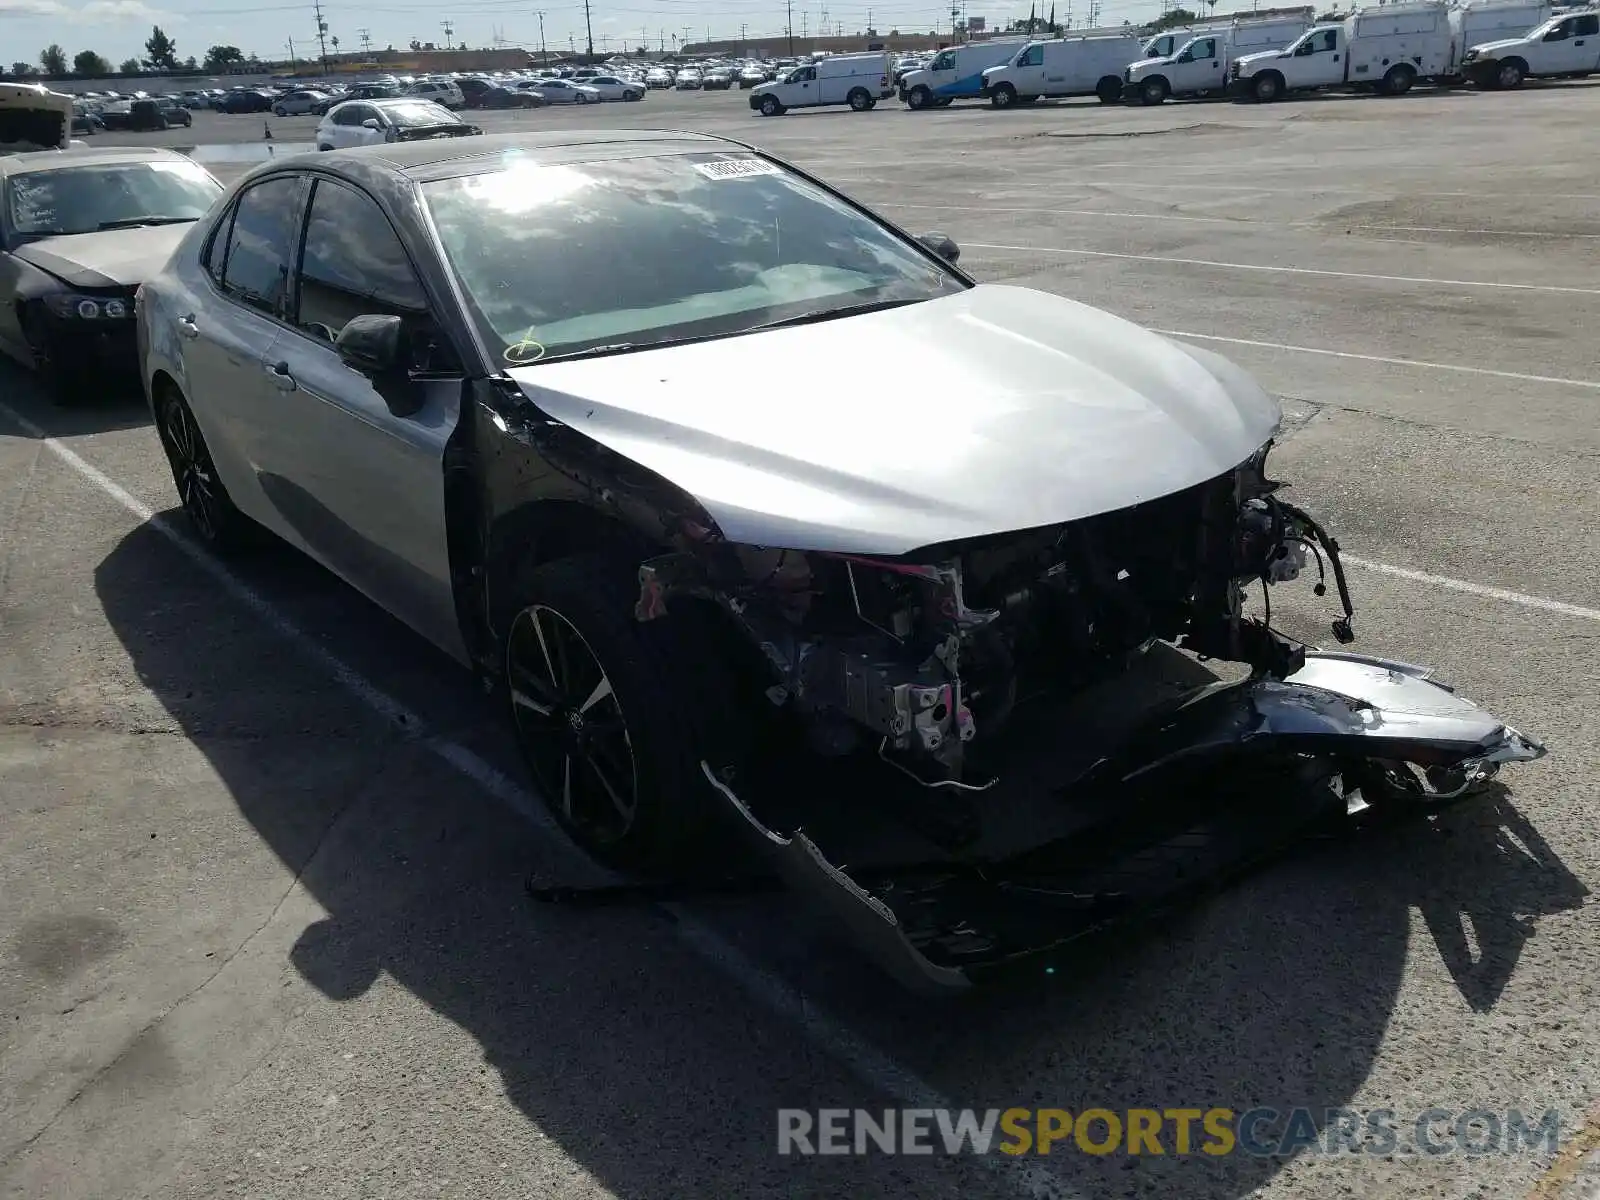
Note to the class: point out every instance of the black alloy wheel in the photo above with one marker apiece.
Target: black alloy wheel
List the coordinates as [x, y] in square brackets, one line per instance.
[200, 490]
[573, 731]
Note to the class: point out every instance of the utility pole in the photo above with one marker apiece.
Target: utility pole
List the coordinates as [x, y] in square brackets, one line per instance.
[588, 25]
[742, 28]
[292, 65]
[544, 55]
[448, 30]
[789, 28]
[687, 30]
[322, 35]
[366, 40]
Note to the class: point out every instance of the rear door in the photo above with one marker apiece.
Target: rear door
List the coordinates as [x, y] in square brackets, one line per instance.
[361, 488]
[227, 337]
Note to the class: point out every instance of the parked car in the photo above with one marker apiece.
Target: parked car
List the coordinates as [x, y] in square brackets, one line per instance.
[658, 77]
[440, 91]
[300, 102]
[373, 122]
[612, 88]
[172, 113]
[79, 232]
[688, 80]
[750, 77]
[717, 81]
[500, 97]
[116, 114]
[693, 611]
[86, 119]
[562, 91]
[244, 100]
[1081, 65]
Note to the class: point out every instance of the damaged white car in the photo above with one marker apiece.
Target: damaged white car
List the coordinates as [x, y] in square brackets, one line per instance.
[501, 378]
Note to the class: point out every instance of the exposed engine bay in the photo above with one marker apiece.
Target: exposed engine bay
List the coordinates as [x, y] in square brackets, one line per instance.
[928, 656]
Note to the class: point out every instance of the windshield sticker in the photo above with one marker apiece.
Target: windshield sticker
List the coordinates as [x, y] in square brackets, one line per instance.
[522, 353]
[735, 168]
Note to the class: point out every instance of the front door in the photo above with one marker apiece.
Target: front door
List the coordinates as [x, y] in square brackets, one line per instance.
[360, 487]
[1319, 61]
[1199, 68]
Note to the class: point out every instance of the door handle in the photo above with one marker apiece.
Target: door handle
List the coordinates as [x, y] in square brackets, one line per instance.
[187, 328]
[278, 372]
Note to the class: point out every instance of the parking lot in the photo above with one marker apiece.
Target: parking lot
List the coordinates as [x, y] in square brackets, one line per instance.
[263, 927]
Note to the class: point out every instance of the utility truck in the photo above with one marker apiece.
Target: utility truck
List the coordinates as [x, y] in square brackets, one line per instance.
[1565, 46]
[1385, 49]
[1200, 66]
[33, 118]
[1087, 64]
[859, 80]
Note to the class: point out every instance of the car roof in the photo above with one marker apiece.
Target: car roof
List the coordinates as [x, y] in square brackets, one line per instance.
[50, 160]
[436, 157]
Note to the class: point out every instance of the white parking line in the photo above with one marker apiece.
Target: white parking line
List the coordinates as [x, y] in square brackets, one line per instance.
[1313, 188]
[1230, 266]
[1156, 218]
[1476, 589]
[1593, 385]
[848, 1048]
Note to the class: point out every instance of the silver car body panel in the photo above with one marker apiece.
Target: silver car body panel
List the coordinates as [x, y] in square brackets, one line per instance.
[1031, 410]
[323, 463]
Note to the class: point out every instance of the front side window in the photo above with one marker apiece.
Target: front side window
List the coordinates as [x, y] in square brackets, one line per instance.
[261, 244]
[353, 264]
[562, 259]
[88, 199]
[1588, 25]
[1033, 56]
[945, 62]
[1203, 50]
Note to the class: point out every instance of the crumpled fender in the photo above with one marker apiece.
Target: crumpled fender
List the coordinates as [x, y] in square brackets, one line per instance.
[1340, 711]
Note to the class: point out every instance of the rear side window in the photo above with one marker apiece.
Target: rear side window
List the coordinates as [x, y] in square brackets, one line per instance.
[353, 264]
[261, 243]
[1588, 25]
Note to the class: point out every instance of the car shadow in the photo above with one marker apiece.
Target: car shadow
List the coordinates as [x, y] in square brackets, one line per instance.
[110, 405]
[1277, 992]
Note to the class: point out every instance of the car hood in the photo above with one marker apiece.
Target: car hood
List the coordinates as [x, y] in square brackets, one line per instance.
[1497, 46]
[1020, 409]
[1144, 64]
[1260, 56]
[114, 258]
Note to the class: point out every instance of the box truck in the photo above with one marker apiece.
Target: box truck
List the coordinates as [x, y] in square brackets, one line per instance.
[1200, 66]
[1089, 64]
[1385, 49]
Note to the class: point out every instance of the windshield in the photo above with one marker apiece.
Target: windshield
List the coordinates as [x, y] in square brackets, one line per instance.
[557, 260]
[89, 198]
[420, 112]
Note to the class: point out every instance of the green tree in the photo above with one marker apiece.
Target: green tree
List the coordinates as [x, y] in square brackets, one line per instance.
[1172, 20]
[22, 70]
[53, 59]
[87, 62]
[130, 66]
[160, 51]
[220, 58]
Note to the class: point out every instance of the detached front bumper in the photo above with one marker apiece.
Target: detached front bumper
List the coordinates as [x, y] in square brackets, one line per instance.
[1214, 784]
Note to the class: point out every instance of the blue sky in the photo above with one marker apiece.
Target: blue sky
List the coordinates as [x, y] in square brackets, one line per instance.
[118, 28]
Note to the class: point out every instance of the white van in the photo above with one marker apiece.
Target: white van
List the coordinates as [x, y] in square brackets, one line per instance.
[440, 91]
[1200, 66]
[1385, 49]
[1492, 21]
[955, 73]
[859, 80]
[1566, 45]
[1172, 41]
[1087, 65]
[33, 118]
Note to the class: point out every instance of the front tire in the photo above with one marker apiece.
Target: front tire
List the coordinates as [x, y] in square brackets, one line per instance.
[1153, 91]
[206, 503]
[614, 715]
[919, 97]
[1267, 88]
[280, 111]
[770, 107]
[59, 379]
[1510, 75]
[1004, 96]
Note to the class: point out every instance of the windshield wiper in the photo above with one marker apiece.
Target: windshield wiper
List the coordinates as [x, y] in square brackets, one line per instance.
[134, 222]
[591, 352]
[826, 314]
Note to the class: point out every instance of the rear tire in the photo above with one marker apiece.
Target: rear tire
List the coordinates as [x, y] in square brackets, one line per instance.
[210, 510]
[1398, 81]
[1004, 96]
[614, 715]
[1108, 90]
[859, 99]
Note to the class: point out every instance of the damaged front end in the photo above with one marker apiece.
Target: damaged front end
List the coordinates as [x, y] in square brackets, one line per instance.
[955, 693]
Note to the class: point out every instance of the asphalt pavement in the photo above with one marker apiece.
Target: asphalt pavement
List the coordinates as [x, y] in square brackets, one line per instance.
[262, 922]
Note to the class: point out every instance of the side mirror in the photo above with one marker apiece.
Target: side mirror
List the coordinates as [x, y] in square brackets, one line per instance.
[1185, 57]
[941, 244]
[371, 123]
[375, 346]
